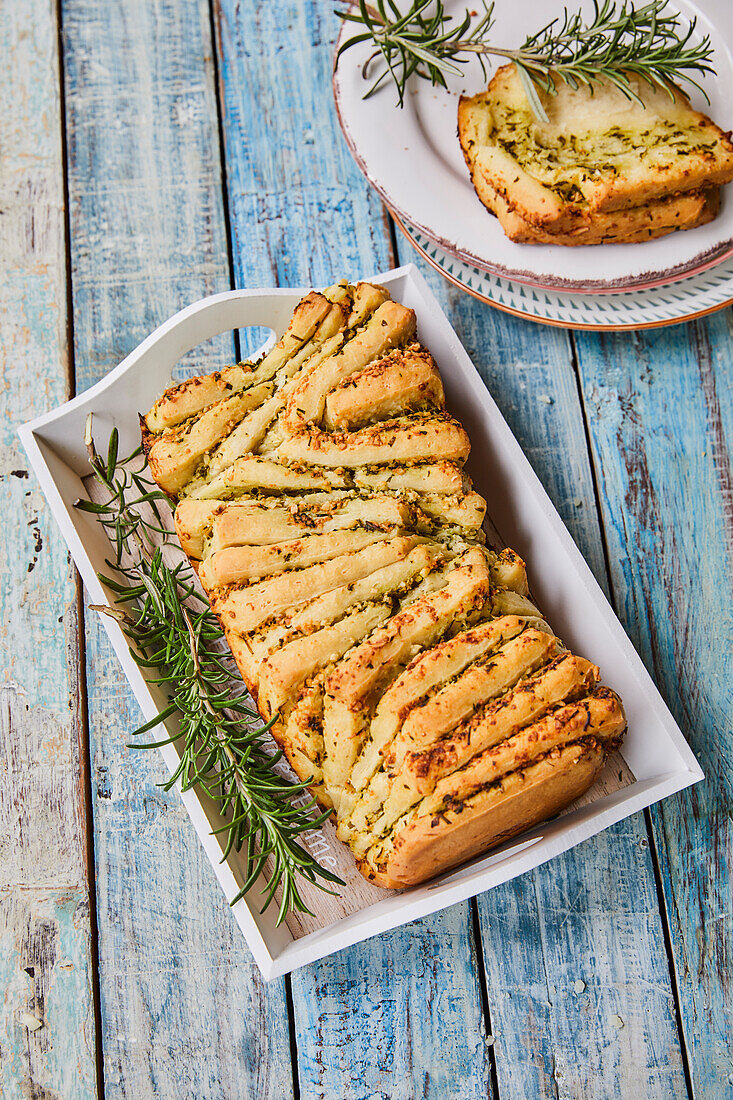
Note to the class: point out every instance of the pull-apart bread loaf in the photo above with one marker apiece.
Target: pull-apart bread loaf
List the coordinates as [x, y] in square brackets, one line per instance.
[322, 498]
[604, 169]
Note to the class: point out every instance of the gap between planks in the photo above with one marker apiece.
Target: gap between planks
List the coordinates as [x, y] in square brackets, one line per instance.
[81, 673]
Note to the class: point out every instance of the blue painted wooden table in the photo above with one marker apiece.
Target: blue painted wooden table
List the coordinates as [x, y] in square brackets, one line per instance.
[156, 152]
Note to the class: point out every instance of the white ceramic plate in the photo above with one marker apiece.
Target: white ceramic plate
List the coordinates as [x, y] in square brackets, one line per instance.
[654, 751]
[412, 158]
[655, 307]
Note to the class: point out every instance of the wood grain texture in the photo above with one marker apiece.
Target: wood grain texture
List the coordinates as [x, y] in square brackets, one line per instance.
[147, 232]
[300, 211]
[592, 914]
[45, 972]
[184, 1011]
[397, 1017]
[47, 1036]
[378, 1019]
[660, 412]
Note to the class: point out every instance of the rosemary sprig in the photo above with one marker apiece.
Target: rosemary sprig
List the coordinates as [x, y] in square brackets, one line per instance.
[180, 643]
[422, 40]
[650, 42]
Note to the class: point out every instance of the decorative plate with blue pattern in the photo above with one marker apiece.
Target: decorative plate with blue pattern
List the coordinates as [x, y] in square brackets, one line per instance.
[412, 157]
[664, 305]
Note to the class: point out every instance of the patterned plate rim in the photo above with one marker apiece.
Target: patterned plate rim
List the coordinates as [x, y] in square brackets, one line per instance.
[587, 326]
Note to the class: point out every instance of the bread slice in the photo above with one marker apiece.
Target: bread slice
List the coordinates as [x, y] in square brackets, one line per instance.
[301, 735]
[175, 456]
[235, 564]
[658, 218]
[260, 474]
[564, 678]
[403, 380]
[429, 845]
[350, 689]
[296, 662]
[406, 439]
[394, 582]
[599, 715]
[599, 151]
[485, 680]
[263, 523]
[411, 681]
[390, 325]
[390, 797]
[424, 674]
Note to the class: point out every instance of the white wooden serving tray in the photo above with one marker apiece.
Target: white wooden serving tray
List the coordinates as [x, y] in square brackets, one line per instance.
[656, 759]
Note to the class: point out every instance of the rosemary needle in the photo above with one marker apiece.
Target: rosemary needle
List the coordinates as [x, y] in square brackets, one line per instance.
[618, 41]
[178, 641]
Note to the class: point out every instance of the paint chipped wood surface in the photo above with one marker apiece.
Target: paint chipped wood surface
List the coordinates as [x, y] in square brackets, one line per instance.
[568, 966]
[660, 412]
[47, 1038]
[184, 1011]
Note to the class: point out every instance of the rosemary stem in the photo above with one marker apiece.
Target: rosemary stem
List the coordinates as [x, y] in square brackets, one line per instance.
[218, 748]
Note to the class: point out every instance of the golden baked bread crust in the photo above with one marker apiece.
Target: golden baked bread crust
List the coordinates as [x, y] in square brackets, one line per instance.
[598, 153]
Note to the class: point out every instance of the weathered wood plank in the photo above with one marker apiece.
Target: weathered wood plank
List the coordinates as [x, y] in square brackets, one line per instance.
[592, 915]
[184, 1011]
[379, 1019]
[47, 1038]
[660, 412]
[300, 211]
[45, 957]
[585, 997]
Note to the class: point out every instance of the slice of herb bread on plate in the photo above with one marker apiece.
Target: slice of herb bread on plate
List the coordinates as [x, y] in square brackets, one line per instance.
[600, 151]
[685, 210]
